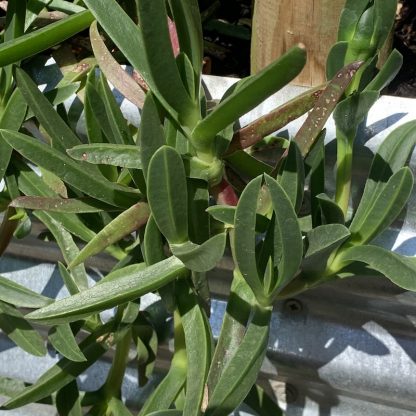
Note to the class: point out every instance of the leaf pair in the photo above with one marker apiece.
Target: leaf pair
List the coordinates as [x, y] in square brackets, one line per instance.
[168, 200]
[271, 264]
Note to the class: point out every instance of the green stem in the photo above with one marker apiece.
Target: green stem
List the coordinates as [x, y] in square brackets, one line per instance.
[115, 377]
[344, 170]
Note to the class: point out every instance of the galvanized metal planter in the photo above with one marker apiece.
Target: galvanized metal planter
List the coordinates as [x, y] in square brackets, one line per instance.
[346, 348]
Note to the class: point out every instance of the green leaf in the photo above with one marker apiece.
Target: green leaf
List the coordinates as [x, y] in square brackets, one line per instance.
[167, 194]
[321, 243]
[245, 233]
[387, 72]
[248, 165]
[70, 205]
[330, 210]
[68, 402]
[31, 184]
[65, 6]
[201, 258]
[113, 71]
[336, 58]
[287, 236]
[162, 67]
[19, 295]
[198, 341]
[119, 132]
[69, 250]
[34, 7]
[350, 112]
[58, 95]
[42, 39]
[350, 15]
[385, 208]
[262, 403]
[123, 155]
[11, 119]
[391, 155]
[188, 27]
[65, 371]
[233, 327]
[170, 412]
[255, 90]
[291, 176]
[124, 224]
[70, 171]
[117, 408]
[401, 270]
[166, 391]
[124, 285]
[241, 371]
[62, 339]
[151, 135]
[15, 326]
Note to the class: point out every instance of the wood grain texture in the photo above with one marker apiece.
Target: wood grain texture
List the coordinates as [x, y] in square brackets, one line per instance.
[280, 24]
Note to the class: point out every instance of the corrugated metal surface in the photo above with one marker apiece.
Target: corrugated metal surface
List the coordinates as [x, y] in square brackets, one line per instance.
[346, 348]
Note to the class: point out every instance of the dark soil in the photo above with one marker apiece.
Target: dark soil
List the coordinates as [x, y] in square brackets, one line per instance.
[227, 26]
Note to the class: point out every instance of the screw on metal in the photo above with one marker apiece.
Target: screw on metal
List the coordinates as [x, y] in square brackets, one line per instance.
[293, 306]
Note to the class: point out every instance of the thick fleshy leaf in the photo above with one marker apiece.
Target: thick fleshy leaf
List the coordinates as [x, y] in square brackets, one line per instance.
[245, 236]
[233, 327]
[65, 6]
[126, 284]
[123, 155]
[19, 295]
[71, 171]
[68, 401]
[69, 206]
[198, 341]
[11, 119]
[62, 339]
[321, 242]
[385, 208]
[58, 95]
[331, 212]
[387, 72]
[391, 156]
[113, 71]
[167, 194]
[31, 184]
[162, 67]
[151, 135]
[274, 121]
[350, 112]
[351, 13]
[259, 401]
[201, 258]
[226, 214]
[292, 175]
[241, 371]
[166, 391]
[61, 135]
[287, 236]
[116, 407]
[254, 90]
[327, 101]
[336, 58]
[170, 412]
[188, 27]
[124, 224]
[247, 165]
[78, 276]
[401, 270]
[65, 371]
[15, 326]
[39, 40]
[119, 132]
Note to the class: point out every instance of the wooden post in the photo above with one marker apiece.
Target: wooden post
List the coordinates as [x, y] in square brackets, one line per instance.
[280, 24]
